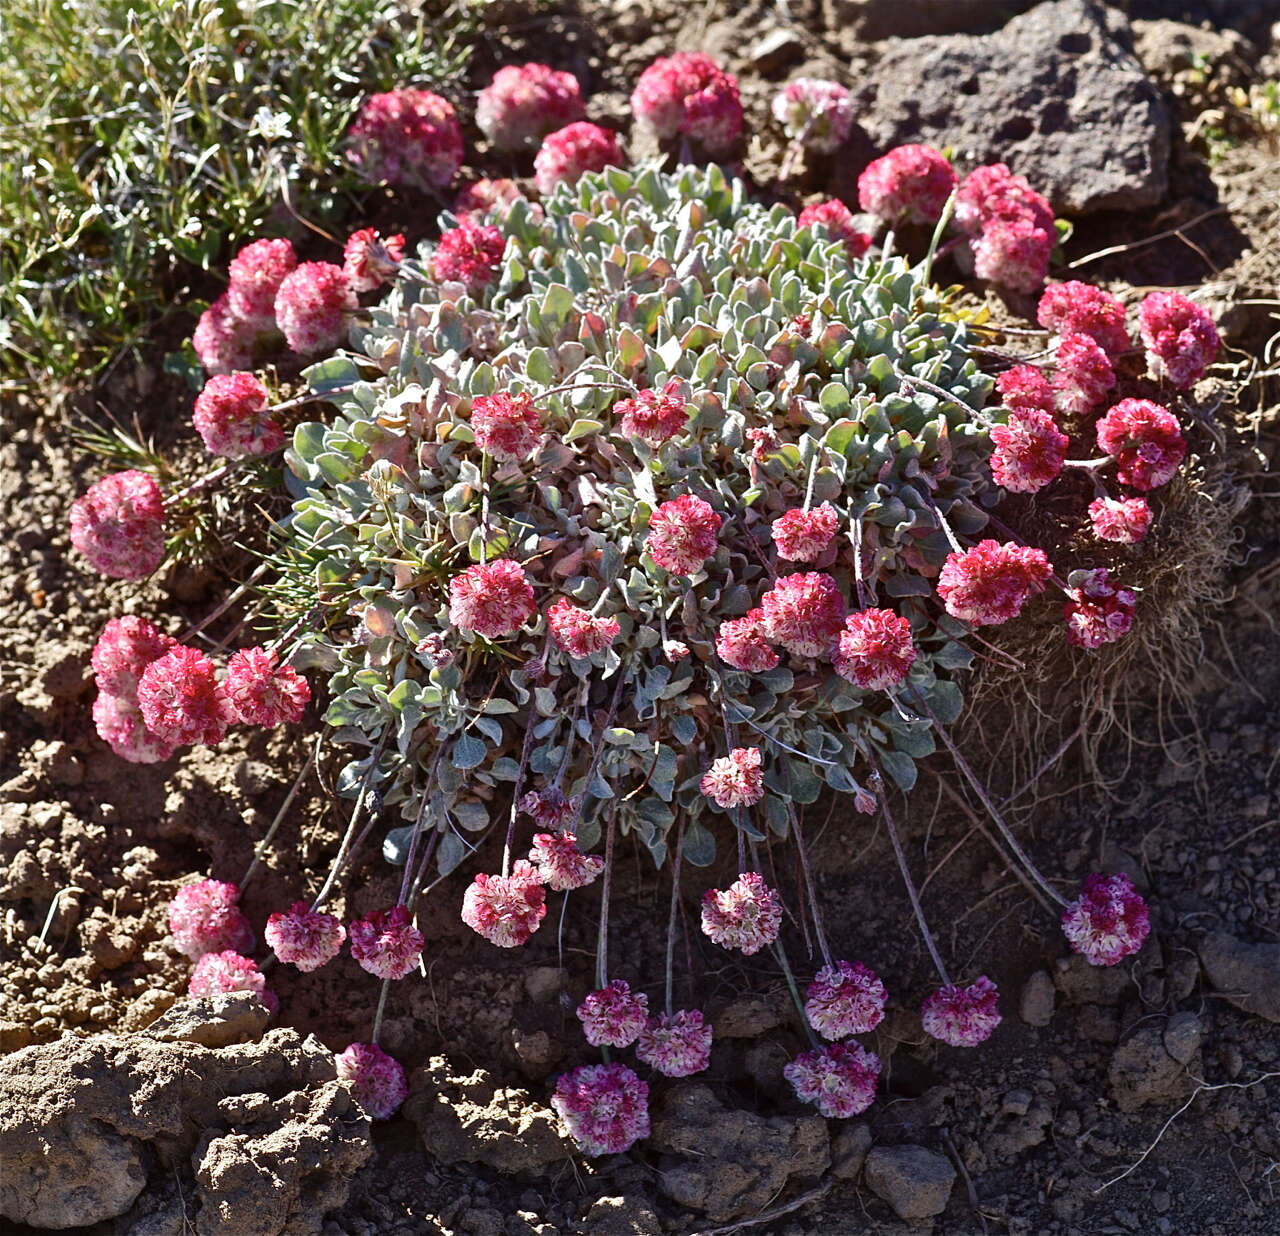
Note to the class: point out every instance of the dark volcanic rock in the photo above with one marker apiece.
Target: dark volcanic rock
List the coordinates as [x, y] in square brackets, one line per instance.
[1247, 974]
[916, 1182]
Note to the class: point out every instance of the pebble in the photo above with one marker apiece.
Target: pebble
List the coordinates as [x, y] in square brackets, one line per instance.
[914, 1181]
[1035, 1006]
[1182, 1036]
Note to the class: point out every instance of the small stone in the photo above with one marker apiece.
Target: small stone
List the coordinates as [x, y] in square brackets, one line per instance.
[13, 1036]
[215, 1021]
[544, 983]
[1035, 1005]
[1017, 1103]
[776, 50]
[1142, 1071]
[619, 1216]
[750, 1016]
[849, 1150]
[1182, 1035]
[914, 1181]
[1082, 983]
[1248, 975]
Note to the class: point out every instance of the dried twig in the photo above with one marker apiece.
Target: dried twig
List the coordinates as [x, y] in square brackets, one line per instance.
[767, 1216]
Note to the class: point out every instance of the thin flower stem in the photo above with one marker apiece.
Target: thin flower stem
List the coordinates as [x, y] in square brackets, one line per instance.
[1092, 465]
[484, 507]
[602, 940]
[226, 605]
[809, 885]
[946, 527]
[781, 954]
[261, 848]
[346, 848]
[855, 537]
[813, 476]
[926, 271]
[517, 787]
[424, 862]
[382, 1006]
[675, 909]
[413, 844]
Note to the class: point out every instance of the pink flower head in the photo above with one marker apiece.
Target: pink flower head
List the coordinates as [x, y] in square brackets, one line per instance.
[676, 1044]
[1097, 612]
[118, 720]
[118, 524]
[909, 184]
[579, 633]
[689, 93]
[962, 1016]
[614, 1015]
[804, 613]
[1146, 441]
[1029, 451]
[1108, 921]
[506, 910]
[492, 599]
[991, 191]
[605, 1108]
[182, 700]
[470, 254]
[835, 217]
[377, 1080]
[525, 102]
[1013, 249]
[1083, 375]
[304, 937]
[205, 917]
[485, 199]
[262, 692]
[653, 416]
[745, 916]
[844, 999]
[507, 426]
[386, 943]
[370, 259]
[801, 536]
[682, 534]
[840, 1080]
[568, 154]
[256, 274]
[561, 865]
[876, 650]
[223, 340]
[406, 137]
[816, 113]
[1125, 520]
[233, 418]
[312, 306]
[218, 973]
[1179, 336]
[1023, 387]
[741, 643]
[124, 649]
[736, 779]
[674, 650]
[1075, 308]
[989, 583]
[551, 808]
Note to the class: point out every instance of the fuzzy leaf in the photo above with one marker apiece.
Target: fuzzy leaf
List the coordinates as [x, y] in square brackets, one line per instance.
[699, 845]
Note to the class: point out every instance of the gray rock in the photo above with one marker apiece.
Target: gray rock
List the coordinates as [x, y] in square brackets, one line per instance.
[916, 1182]
[215, 1021]
[619, 1216]
[1142, 1072]
[869, 20]
[849, 1150]
[1081, 983]
[1182, 1036]
[777, 49]
[1035, 1005]
[1056, 94]
[1248, 975]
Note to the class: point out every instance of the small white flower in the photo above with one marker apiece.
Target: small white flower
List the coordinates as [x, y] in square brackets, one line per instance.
[270, 125]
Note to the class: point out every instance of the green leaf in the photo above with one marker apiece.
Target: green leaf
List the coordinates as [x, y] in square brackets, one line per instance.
[902, 768]
[469, 752]
[581, 428]
[699, 845]
[332, 374]
[450, 853]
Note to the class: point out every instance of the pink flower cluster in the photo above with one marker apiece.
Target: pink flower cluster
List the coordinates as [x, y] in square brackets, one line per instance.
[688, 93]
[205, 917]
[605, 1108]
[875, 650]
[370, 259]
[736, 779]
[745, 916]
[406, 137]
[1097, 612]
[263, 692]
[216, 974]
[845, 999]
[181, 699]
[1108, 922]
[377, 1080]
[118, 524]
[840, 1080]
[550, 807]
[561, 865]
[470, 254]
[486, 199]
[1082, 375]
[1145, 440]
[816, 113]
[230, 330]
[676, 1045]
[962, 1016]
[124, 649]
[1124, 520]
[1075, 308]
[1025, 387]
[989, 583]
[492, 599]
[312, 307]
[506, 910]
[1180, 338]
[507, 426]
[568, 154]
[577, 632]
[743, 644]
[304, 937]
[802, 536]
[836, 217]
[910, 184]
[525, 102]
[233, 417]
[683, 534]
[1029, 450]
[614, 1016]
[804, 613]
[1010, 228]
[653, 416]
[386, 943]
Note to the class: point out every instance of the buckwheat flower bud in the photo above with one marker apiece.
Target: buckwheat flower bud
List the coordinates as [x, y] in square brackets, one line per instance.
[568, 154]
[470, 254]
[910, 184]
[1145, 440]
[550, 808]
[205, 917]
[1097, 612]
[118, 524]
[377, 1080]
[653, 416]
[304, 937]
[182, 700]
[683, 534]
[1075, 308]
[742, 643]
[834, 215]
[506, 910]
[1013, 248]
[1029, 451]
[1023, 387]
[1108, 922]
[604, 1107]
[118, 720]
[525, 102]
[876, 650]
[312, 306]
[233, 417]
[1179, 336]
[989, 583]
[839, 1080]
[676, 1044]
[864, 801]
[370, 259]
[492, 599]
[223, 340]
[844, 999]
[745, 916]
[736, 779]
[814, 112]
[804, 613]
[674, 650]
[507, 426]
[435, 650]
[487, 200]
[689, 93]
[406, 137]
[218, 973]
[802, 536]
[614, 1015]
[561, 865]
[124, 649]
[577, 631]
[962, 1016]
[263, 692]
[1083, 375]
[1125, 520]
[256, 273]
[386, 943]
